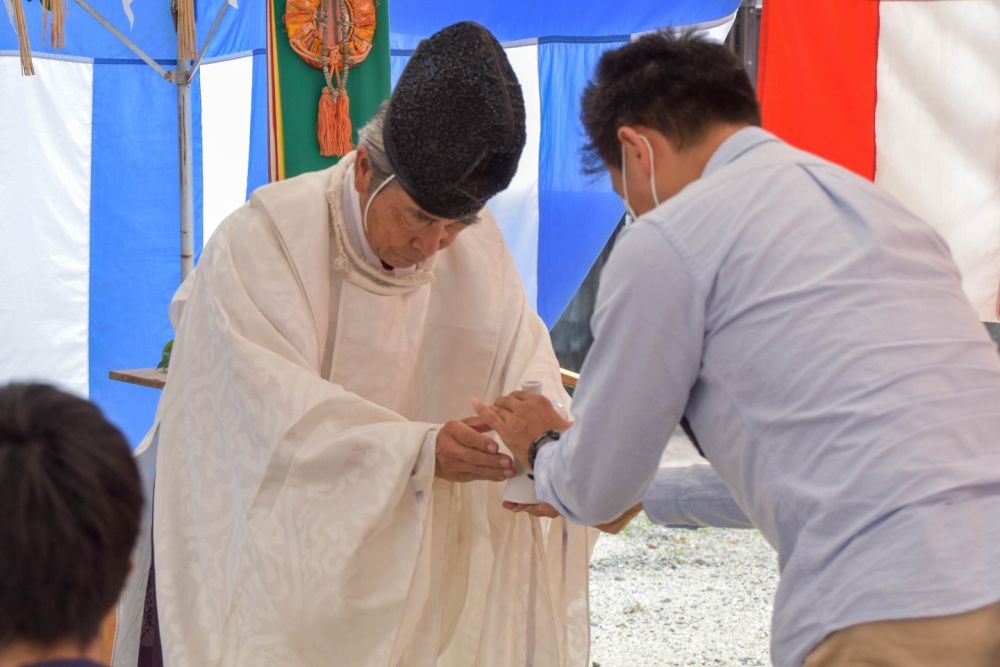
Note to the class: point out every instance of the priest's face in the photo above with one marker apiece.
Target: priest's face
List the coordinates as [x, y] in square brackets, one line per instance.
[400, 233]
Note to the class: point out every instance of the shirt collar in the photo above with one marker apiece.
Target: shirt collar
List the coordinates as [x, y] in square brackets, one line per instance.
[736, 145]
[354, 226]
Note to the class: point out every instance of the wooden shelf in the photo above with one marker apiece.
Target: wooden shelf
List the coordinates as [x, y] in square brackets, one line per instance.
[569, 378]
[157, 379]
[144, 377]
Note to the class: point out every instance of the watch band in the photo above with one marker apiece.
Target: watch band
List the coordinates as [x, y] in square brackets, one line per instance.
[538, 443]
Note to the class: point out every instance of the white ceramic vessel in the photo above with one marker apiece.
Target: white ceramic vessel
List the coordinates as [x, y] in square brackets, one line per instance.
[521, 488]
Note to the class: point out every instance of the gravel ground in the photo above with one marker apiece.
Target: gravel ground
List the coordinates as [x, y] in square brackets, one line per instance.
[681, 598]
[667, 596]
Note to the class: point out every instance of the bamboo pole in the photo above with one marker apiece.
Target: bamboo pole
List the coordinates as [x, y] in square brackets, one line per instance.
[24, 45]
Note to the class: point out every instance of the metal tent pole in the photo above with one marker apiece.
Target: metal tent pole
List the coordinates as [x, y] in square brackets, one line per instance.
[744, 38]
[181, 77]
[123, 39]
[186, 165]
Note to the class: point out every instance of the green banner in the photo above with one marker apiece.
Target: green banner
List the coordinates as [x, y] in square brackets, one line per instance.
[300, 87]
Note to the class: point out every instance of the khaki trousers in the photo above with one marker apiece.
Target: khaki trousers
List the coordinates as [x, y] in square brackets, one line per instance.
[970, 639]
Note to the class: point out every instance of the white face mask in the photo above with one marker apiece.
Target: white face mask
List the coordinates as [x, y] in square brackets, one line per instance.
[652, 179]
[364, 214]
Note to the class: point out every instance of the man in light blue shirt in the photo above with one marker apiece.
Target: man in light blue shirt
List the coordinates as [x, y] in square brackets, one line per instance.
[816, 338]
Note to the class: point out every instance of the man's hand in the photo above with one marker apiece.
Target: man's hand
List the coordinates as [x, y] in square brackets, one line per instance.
[519, 418]
[463, 454]
[546, 510]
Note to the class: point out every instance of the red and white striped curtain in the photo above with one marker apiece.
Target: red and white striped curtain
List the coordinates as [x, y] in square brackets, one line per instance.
[906, 93]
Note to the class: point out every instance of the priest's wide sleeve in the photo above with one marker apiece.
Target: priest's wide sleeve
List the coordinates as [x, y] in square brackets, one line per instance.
[526, 353]
[285, 506]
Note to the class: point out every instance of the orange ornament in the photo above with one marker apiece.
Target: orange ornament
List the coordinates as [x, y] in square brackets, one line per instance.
[333, 36]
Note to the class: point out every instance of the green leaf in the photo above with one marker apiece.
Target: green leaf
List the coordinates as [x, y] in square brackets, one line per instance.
[165, 358]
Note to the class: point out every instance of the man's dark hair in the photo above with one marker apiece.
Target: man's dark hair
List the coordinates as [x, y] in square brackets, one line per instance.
[681, 85]
[70, 504]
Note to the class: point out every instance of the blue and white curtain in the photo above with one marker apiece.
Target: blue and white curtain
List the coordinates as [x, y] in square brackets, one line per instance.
[89, 180]
[89, 175]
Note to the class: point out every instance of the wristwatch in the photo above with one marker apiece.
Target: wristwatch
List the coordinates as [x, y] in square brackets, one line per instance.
[538, 443]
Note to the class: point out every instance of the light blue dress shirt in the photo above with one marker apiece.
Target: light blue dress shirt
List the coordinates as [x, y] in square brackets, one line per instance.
[692, 496]
[816, 336]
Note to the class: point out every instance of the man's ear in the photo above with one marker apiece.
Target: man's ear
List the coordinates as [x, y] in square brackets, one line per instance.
[362, 172]
[635, 147]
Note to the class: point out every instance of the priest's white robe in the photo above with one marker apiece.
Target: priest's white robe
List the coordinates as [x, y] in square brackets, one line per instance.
[297, 519]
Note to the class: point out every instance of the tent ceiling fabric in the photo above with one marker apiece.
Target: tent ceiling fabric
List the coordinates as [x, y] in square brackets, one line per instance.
[241, 30]
[529, 19]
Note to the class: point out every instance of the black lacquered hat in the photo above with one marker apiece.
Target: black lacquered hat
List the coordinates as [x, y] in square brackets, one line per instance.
[454, 128]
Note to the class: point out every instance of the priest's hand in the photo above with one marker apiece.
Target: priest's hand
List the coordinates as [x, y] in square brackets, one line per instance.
[534, 509]
[519, 418]
[464, 454]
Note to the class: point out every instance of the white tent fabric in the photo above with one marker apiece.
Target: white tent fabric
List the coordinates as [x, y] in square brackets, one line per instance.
[45, 190]
[934, 152]
[226, 88]
[516, 208]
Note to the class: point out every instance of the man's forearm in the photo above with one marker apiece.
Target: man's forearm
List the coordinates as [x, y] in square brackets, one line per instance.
[579, 495]
[691, 497]
[634, 385]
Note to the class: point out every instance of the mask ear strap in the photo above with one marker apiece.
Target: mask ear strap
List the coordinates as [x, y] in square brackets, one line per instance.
[368, 205]
[628, 206]
[652, 170]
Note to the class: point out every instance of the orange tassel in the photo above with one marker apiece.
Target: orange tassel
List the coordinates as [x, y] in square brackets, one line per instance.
[343, 119]
[333, 123]
[325, 124]
[21, 28]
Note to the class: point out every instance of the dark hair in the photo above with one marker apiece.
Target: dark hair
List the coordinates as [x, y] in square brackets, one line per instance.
[70, 504]
[681, 85]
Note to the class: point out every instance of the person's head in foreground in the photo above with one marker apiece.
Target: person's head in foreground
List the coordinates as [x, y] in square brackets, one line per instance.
[447, 140]
[70, 500]
[658, 108]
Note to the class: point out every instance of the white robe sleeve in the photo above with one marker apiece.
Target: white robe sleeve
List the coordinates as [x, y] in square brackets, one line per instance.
[288, 511]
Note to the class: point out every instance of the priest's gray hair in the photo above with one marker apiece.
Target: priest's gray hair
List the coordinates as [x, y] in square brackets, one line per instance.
[370, 136]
